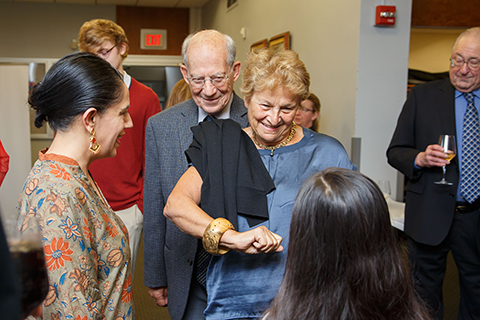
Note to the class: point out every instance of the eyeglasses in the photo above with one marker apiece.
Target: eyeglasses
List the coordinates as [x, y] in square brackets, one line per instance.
[473, 64]
[302, 109]
[199, 82]
[104, 52]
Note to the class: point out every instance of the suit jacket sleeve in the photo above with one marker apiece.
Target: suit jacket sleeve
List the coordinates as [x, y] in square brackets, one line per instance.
[153, 220]
[152, 107]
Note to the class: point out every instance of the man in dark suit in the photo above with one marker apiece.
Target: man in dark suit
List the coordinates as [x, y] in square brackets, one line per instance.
[170, 260]
[439, 217]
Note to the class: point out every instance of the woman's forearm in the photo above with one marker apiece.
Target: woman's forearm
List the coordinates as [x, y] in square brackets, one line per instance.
[183, 210]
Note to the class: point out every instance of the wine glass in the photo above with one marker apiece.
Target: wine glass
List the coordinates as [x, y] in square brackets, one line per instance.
[449, 147]
[26, 248]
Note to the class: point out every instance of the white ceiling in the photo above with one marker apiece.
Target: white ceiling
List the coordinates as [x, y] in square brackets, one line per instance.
[141, 3]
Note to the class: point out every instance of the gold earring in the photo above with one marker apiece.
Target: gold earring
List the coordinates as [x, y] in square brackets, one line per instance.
[94, 146]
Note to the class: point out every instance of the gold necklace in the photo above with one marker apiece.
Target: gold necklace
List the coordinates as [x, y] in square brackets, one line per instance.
[279, 145]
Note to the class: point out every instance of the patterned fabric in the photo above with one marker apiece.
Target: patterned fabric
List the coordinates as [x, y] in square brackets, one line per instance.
[470, 187]
[85, 243]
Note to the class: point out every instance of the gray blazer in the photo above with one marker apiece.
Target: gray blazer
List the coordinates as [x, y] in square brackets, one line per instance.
[169, 254]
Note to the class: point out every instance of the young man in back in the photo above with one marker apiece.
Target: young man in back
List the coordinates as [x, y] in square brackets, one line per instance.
[121, 178]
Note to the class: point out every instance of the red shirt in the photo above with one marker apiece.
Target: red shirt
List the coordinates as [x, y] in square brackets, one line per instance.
[121, 178]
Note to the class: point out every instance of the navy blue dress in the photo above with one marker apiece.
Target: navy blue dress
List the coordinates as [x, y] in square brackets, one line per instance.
[241, 285]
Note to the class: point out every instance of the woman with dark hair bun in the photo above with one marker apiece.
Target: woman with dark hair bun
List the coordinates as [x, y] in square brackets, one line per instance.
[344, 260]
[84, 100]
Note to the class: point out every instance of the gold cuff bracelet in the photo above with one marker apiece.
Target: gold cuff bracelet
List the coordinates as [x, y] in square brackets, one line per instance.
[212, 235]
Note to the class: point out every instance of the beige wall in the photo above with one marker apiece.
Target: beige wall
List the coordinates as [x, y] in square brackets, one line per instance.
[358, 71]
[14, 134]
[44, 30]
[329, 56]
[430, 48]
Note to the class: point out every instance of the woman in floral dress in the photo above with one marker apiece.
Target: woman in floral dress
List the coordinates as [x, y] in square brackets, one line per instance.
[85, 102]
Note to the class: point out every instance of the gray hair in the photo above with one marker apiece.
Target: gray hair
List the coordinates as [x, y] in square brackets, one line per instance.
[229, 45]
[472, 31]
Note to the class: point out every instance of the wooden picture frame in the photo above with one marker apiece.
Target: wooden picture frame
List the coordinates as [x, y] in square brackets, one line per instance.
[281, 41]
[262, 44]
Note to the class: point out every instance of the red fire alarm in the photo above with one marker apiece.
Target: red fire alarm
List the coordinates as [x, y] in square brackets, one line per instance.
[385, 16]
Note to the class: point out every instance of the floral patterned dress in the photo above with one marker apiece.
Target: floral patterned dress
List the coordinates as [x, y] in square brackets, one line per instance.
[85, 243]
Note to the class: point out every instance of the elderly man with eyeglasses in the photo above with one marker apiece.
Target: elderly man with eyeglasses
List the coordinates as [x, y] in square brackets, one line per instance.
[171, 256]
[121, 178]
[440, 218]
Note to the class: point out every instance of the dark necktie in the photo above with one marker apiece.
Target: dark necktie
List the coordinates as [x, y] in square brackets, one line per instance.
[209, 118]
[469, 187]
[203, 259]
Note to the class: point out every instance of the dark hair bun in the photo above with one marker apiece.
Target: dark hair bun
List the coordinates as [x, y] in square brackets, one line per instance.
[74, 84]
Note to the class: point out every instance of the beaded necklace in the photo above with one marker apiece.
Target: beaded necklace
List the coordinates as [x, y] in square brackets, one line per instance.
[279, 145]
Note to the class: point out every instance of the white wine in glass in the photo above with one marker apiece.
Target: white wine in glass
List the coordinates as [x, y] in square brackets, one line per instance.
[449, 147]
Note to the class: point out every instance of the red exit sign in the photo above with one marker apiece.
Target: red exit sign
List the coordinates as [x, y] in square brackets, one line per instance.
[155, 39]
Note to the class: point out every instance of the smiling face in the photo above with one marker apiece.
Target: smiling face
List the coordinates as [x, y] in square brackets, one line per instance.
[271, 114]
[467, 49]
[306, 114]
[110, 126]
[208, 59]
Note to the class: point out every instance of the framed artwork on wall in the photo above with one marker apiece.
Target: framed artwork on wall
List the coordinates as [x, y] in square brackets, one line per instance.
[262, 44]
[281, 41]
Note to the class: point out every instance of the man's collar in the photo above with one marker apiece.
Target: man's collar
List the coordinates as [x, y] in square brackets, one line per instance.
[127, 79]
[225, 114]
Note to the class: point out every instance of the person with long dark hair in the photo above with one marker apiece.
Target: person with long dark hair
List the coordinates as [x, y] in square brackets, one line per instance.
[344, 260]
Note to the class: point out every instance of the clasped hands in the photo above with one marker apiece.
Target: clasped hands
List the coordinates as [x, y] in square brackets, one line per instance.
[255, 241]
